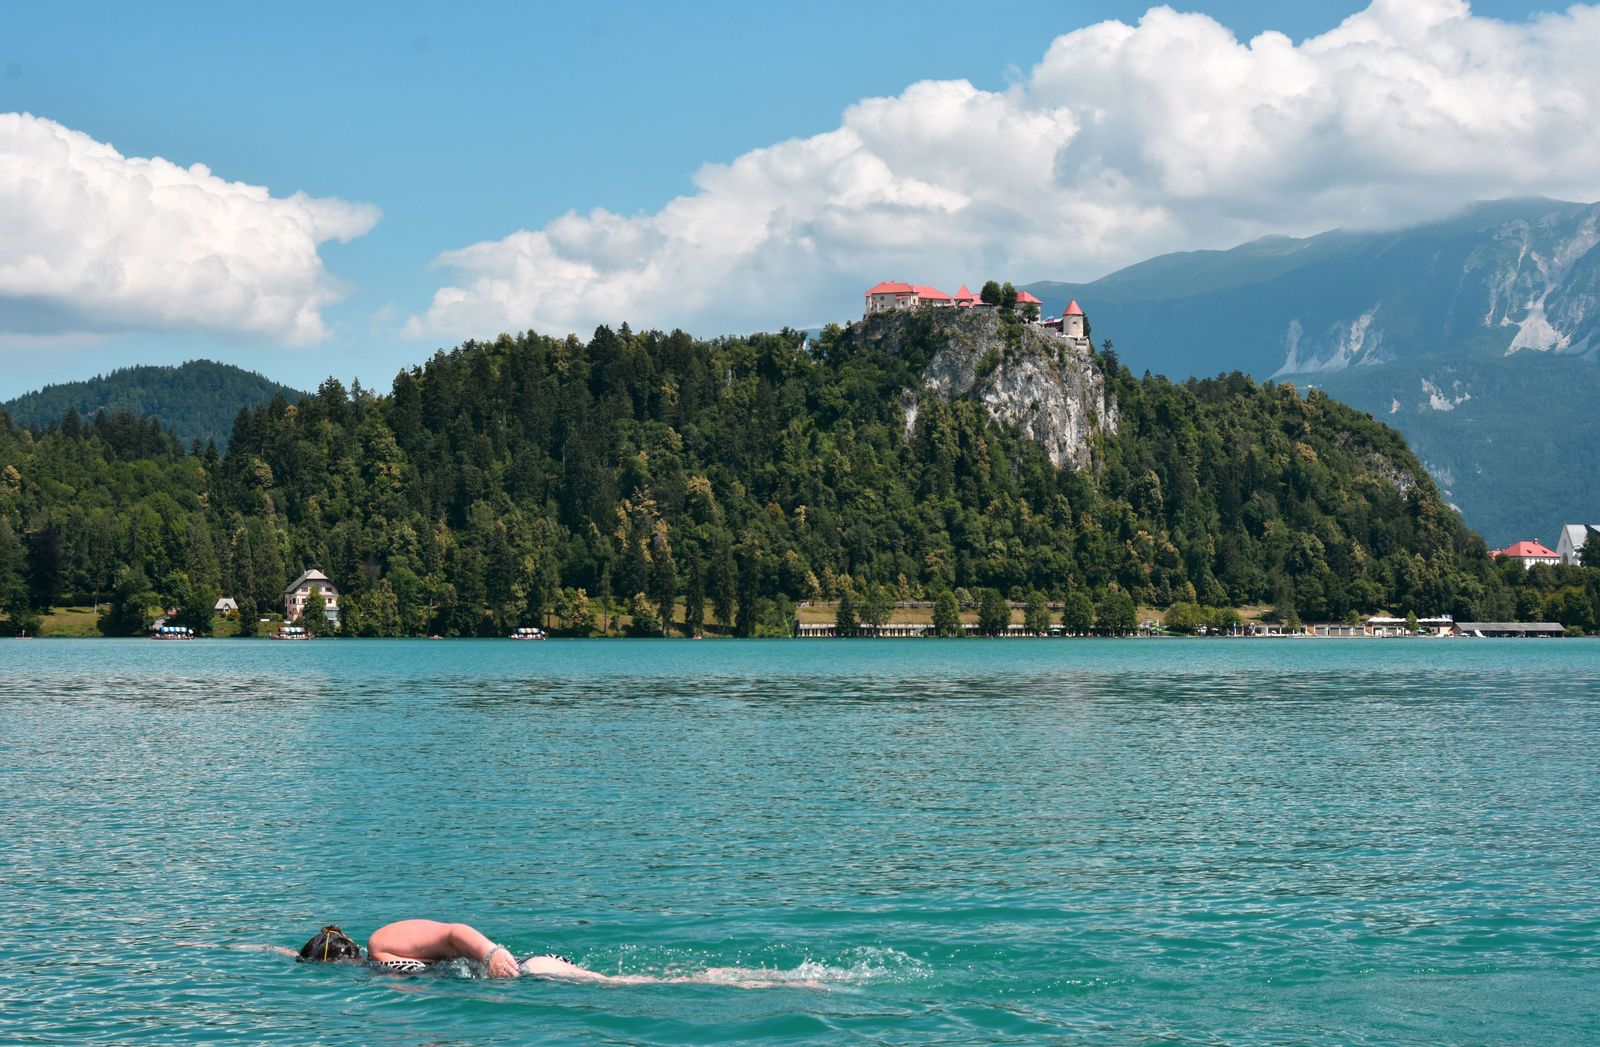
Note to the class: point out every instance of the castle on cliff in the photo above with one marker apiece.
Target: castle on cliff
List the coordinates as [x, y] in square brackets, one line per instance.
[889, 296]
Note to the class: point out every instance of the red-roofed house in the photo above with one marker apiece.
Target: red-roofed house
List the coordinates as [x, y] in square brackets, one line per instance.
[1529, 553]
[890, 295]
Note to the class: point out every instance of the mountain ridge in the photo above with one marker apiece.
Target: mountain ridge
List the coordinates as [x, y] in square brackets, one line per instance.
[197, 400]
[1391, 320]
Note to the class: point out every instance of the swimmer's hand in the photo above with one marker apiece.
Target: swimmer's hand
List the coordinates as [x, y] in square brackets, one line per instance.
[501, 964]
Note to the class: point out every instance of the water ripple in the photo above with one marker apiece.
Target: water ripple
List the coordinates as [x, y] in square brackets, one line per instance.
[1007, 842]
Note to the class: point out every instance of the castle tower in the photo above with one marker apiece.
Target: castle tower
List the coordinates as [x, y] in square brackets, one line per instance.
[1073, 322]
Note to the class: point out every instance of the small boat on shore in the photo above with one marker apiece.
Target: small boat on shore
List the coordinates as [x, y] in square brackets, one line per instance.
[527, 632]
[172, 632]
[290, 632]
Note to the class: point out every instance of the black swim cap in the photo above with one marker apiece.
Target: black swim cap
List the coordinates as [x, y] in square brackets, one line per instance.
[328, 945]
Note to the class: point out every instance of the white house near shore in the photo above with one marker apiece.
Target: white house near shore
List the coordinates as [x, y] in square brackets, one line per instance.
[299, 591]
[1570, 546]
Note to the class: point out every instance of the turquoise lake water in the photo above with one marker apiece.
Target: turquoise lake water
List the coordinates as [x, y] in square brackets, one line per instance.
[1013, 841]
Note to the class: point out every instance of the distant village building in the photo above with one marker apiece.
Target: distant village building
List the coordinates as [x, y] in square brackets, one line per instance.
[299, 591]
[1528, 553]
[226, 605]
[1570, 545]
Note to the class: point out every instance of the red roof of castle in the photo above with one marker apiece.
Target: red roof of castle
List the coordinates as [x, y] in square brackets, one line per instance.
[1073, 310]
[1524, 550]
[965, 295]
[932, 293]
[1024, 298]
[890, 287]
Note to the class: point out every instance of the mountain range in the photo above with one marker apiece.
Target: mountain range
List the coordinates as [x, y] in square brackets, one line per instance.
[1475, 336]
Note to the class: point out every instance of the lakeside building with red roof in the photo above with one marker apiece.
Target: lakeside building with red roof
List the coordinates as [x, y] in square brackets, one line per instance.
[1529, 553]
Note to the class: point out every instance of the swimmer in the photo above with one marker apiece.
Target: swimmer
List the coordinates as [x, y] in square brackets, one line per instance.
[412, 946]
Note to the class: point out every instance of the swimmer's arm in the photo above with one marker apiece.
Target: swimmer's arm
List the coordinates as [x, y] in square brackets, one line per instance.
[280, 950]
[431, 940]
[244, 947]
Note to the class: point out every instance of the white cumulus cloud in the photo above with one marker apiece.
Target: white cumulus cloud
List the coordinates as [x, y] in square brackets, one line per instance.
[98, 241]
[1123, 142]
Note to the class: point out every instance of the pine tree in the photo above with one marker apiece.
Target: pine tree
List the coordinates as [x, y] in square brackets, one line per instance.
[845, 622]
[694, 597]
[747, 622]
[44, 564]
[724, 582]
[663, 578]
[994, 613]
[1116, 612]
[877, 605]
[1036, 616]
[1077, 613]
[128, 611]
[195, 602]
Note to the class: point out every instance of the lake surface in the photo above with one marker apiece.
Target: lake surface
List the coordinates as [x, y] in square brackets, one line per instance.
[1010, 841]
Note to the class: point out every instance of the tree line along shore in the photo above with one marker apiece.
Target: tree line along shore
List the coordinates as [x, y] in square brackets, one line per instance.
[716, 486]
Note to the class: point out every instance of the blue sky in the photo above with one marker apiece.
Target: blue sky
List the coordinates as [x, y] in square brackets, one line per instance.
[465, 124]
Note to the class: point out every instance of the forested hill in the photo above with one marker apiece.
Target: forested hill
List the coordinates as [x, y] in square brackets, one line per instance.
[197, 400]
[740, 475]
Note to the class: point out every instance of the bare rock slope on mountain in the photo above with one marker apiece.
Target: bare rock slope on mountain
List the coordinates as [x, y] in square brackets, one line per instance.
[1025, 376]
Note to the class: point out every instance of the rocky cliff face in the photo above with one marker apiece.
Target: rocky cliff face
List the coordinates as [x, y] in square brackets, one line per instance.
[1024, 376]
[1527, 284]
